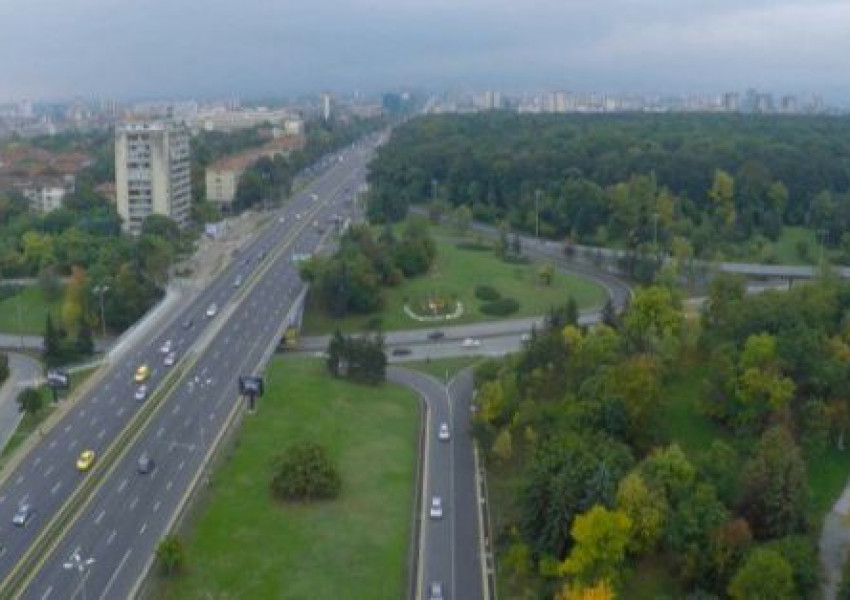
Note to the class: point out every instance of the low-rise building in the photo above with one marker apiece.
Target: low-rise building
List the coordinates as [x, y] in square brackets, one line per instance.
[46, 195]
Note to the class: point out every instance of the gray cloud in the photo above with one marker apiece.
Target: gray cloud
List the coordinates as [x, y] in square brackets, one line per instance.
[182, 48]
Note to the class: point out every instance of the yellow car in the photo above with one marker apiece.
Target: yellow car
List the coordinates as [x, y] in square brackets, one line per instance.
[142, 373]
[86, 460]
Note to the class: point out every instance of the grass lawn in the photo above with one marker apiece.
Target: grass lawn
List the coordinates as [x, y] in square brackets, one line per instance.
[33, 311]
[245, 544]
[784, 250]
[439, 366]
[455, 274]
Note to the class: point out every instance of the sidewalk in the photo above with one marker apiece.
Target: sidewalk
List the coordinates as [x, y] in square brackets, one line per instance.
[22, 368]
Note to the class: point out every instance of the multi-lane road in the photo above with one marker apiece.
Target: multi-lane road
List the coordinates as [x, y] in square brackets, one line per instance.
[120, 522]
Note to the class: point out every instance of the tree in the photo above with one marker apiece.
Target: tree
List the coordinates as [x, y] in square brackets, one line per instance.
[774, 486]
[305, 472]
[51, 285]
[652, 317]
[601, 537]
[29, 401]
[74, 305]
[171, 554]
[600, 590]
[462, 219]
[722, 195]
[53, 354]
[503, 446]
[764, 576]
[646, 510]
[4, 367]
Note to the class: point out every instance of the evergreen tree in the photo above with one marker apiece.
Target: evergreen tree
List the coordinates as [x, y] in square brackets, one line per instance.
[52, 344]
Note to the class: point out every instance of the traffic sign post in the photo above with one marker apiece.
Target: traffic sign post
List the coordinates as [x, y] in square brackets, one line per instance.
[252, 387]
[58, 379]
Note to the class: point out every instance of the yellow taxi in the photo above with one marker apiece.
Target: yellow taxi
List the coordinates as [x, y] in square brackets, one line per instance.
[142, 373]
[86, 460]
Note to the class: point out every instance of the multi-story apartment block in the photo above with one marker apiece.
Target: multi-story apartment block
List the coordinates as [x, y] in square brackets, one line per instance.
[152, 172]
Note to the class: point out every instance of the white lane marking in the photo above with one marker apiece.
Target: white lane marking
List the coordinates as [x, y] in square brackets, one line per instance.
[176, 409]
[101, 433]
[112, 401]
[2, 498]
[156, 506]
[168, 486]
[112, 579]
[160, 431]
[47, 593]
[55, 488]
[212, 416]
[100, 517]
[122, 485]
[67, 428]
[72, 444]
[134, 503]
[180, 466]
[82, 412]
[187, 421]
[121, 411]
[52, 445]
[143, 528]
[19, 480]
[106, 386]
[36, 462]
[111, 537]
[48, 471]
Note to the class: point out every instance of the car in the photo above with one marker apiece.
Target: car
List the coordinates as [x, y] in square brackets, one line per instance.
[281, 220]
[187, 324]
[85, 460]
[314, 197]
[212, 309]
[141, 392]
[166, 347]
[471, 343]
[142, 373]
[443, 433]
[525, 337]
[435, 591]
[436, 511]
[170, 359]
[436, 335]
[145, 464]
[237, 282]
[22, 515]
[401, 351]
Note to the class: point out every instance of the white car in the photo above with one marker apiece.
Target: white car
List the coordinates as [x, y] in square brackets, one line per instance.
[525, 337]
[443, 433]
[166, 347]
[471, 343]
[23, 515]
[436, 508]
[170, 359]
[212, 309]
[141, 392]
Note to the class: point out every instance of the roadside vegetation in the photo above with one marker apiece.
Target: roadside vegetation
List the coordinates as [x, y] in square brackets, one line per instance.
[354, 546]
[664, 455]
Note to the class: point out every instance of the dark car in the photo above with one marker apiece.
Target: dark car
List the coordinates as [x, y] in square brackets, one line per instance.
[436, 335]
[187, 324]
[401, 351]
[146, 464]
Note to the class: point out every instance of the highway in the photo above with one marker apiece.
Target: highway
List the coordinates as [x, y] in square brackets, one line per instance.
[449, 552]
[127, 515]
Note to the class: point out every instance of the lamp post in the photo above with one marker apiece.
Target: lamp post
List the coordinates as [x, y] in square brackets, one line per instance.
[81, 566]
[537, 215]
[100, 290]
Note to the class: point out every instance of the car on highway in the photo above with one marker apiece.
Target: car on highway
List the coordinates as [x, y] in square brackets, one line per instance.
[525, 337]
[436, 335]
[314, 197]
[141, 392]
[170, 359]
[435, 591]
[166, 347]
[443, 433]
[142, 373]
[401, 351]
[187, 324]
[436, 510]
[212, 309]
[471, 343]
[85, 460]
[145, 464]
[22, 515]
[238, 281]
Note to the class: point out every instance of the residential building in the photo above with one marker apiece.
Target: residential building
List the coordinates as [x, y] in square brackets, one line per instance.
[152, 172]
[46, 195]
[326, 105]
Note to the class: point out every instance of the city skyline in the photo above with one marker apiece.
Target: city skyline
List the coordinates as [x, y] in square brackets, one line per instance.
[259, 50]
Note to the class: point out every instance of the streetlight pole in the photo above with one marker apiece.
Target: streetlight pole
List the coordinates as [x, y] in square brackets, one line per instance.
[81, 566]
[100, 290]
[537, 215]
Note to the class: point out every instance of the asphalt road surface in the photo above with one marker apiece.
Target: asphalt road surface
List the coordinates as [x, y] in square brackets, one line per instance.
[448, 545]
[129, 513]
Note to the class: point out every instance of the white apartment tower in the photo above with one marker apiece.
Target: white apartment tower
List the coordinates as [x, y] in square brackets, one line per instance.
[152, 172]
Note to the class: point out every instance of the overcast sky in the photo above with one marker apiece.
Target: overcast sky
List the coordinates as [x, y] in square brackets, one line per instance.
[54, 49]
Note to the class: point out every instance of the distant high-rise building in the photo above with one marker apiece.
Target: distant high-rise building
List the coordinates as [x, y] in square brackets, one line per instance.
[152, 172]
[764, 103]
[327, 105]
[731, 102]
[788, 104]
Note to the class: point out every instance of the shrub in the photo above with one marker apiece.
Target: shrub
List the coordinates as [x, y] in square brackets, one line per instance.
[487, 293]
[500, 307]
[4, 367]
[474, 246]
[305, 472]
